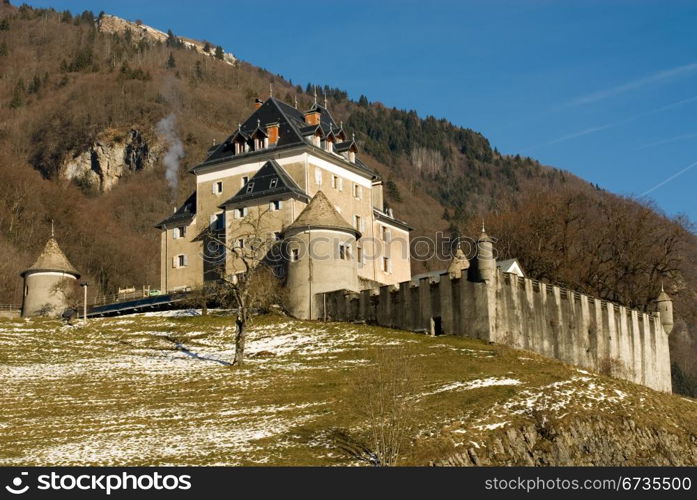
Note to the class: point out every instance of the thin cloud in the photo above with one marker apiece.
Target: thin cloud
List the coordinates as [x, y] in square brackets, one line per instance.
[660, 77]
[667, 180]
[593, 130]
[669, 140]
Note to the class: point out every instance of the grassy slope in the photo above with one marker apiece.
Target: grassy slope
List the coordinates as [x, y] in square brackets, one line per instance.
[119, 392]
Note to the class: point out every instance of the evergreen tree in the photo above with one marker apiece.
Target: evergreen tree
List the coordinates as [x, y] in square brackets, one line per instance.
[207, 47]
[219, 52]
[171, 63]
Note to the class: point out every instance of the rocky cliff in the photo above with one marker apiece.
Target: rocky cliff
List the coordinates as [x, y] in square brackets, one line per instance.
[139, 31]
[109, 158]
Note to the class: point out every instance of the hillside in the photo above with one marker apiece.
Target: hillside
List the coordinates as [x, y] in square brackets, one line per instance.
[153, 389]
[81, 97]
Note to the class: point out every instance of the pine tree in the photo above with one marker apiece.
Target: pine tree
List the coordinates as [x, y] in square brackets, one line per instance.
[207, 47]
[171, 63]
[219, 52]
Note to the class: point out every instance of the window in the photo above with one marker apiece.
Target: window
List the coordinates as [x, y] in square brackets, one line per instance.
[358, 223]
[250, 186]
[240, 243]
[342, 252]
[179, 232]
[386, 265]
[335, 181]
[318, 176]
[273, 183]
[359, 255]
[245, 180]
[275, 205]
[295, 254]
[277, 236]
[258, 144]
[218, 187]
[357, 191]
[352, 157]
[386, 234]
[240, 213]
[180, 261]
[218, 222]
[316, 140]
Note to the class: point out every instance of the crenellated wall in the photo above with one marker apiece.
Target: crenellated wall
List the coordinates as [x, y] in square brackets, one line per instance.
[522, 313]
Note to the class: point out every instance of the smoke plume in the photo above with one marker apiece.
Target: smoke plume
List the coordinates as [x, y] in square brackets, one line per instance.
[175, 149]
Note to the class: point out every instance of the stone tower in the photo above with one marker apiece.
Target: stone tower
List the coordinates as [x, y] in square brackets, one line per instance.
[665, 310]
[322, 256]
[48, 283]
[485, 268]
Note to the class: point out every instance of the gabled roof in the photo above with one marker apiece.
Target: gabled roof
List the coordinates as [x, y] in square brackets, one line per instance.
[321, 214]
[183, 215]
[345, 146]
[52, 259]
[511, 266]
[262, 186]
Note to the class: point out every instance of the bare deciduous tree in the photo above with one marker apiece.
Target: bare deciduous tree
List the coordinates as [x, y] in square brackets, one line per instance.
[382, 396]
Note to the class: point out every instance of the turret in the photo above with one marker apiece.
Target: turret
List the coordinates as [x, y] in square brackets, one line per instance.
[665, 310]
[486, 262]
[49, 283]
[320, 246]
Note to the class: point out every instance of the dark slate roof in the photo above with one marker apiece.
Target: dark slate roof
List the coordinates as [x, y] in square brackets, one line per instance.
[261, 186]
[381, 216]
[292, 130]
[183, 215]
[344, 146]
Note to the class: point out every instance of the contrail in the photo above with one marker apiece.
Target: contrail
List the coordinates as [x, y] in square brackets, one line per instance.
[606, 126]
[676, 174]
[669, 140]
[661, 76]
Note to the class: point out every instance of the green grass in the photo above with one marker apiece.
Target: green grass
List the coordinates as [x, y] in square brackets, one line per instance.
[119, 392]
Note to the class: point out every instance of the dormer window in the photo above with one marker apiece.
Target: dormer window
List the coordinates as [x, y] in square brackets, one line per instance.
[352, 156]
[273, 183]
[316, 140]
[250, 186]
[258, 143]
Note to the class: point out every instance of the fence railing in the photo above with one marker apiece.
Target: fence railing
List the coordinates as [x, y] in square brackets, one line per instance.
[10, 307]
[124, 295]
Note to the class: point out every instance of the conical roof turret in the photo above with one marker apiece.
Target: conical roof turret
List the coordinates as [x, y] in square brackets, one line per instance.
[52, 259]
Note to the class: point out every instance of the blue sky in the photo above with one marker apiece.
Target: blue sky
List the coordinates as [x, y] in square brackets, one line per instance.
[607, 90]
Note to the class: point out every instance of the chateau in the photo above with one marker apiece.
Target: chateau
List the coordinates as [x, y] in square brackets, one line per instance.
[298, 175]
[296, 178]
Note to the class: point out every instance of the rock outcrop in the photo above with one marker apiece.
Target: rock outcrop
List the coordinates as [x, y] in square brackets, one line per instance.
[139, 31]
[591, 441]
[108, 159]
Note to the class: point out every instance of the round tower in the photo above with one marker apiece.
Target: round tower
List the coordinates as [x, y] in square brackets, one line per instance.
[486, 262]
[665, 310]
[321, 250]
[48, 283]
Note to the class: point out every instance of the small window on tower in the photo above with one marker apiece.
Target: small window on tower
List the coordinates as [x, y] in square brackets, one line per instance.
[295, 255]
[275, 205]
[218, 187]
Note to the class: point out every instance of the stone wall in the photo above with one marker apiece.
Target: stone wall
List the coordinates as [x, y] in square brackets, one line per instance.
[524, 314]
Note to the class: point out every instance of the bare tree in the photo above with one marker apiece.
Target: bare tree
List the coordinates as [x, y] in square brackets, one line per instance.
[382, 397]
[247, 261]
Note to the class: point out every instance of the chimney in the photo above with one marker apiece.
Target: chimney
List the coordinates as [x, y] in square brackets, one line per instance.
[257, 103]
[312, 117]
[272, 132]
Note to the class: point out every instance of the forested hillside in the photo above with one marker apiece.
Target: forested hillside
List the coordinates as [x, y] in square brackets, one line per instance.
[69, 92]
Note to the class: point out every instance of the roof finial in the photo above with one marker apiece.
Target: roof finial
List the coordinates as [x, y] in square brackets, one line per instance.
[325, 100]
[296, 101]
[315, 93]
[53, 234]
[662, 290]
[353, 136]
[483, 230]
[258, 123]
[239, 126]
[270, 90]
